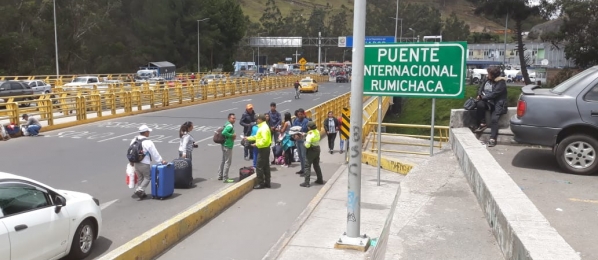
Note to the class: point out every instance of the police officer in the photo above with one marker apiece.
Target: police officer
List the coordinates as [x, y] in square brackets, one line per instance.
[312, 145]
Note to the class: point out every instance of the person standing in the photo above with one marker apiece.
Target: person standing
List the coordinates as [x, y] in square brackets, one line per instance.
[262, 139]
[300, 143]
[274, 122]
[254, 129]
[331, 127]
[297, 85]
[227, 149]
[143, 168]
[32, 125]
[312, 145]
[186, 142]
[246, 121]
[286, 141]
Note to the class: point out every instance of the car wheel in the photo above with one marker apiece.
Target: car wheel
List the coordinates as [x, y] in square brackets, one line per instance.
[83, 240]
[26, 104]
[577, 154]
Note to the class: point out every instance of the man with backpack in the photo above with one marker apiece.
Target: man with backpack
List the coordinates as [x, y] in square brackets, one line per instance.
[246, 121]
[141, 153]
[227, 149]
[301, 121]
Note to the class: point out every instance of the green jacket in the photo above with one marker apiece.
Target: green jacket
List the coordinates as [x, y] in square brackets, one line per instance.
[263, 138]
[228, 133]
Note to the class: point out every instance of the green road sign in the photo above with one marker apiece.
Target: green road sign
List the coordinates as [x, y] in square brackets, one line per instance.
[425, 70]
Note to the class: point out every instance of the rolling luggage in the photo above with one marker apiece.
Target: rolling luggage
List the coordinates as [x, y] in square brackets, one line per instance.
[245, 172]
[162, 180]
[183, 173]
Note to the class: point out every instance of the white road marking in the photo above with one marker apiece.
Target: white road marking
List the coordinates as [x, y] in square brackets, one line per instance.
[116, 137]
[286, 101]
[277, 97]
[244, 100]
[285, 110]
[107, 204]
[230, 109]
[204, 139]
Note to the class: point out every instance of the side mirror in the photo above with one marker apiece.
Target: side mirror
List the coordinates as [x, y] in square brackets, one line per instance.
[60, 202]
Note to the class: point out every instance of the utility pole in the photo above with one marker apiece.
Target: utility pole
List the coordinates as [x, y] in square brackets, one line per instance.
[352, 239]
[504, 56]
[319, 50]
[397, 21]
[56, 41]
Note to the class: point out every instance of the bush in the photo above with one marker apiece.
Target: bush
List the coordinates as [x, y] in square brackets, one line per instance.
[563, 75]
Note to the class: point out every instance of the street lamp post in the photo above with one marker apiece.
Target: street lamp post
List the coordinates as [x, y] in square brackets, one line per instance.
[400, 36]
[411, 29]
[397, 22]
[258, 52]
[198, 59]
[56, 40]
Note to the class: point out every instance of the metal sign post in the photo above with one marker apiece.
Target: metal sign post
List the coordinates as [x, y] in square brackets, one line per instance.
[379, 137]
[352, 239]
[433, 120]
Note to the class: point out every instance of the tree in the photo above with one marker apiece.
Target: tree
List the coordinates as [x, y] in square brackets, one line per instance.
[518, 11]
[271, 19]
[455, 29]
[579, 30]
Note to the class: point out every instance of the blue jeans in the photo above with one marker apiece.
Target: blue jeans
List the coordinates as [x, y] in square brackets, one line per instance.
[33, 129]
[254, 151]
[301, 152]
[342, 144]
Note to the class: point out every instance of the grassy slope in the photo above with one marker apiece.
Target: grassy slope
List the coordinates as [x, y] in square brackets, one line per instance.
[462, 8]
[418, 110]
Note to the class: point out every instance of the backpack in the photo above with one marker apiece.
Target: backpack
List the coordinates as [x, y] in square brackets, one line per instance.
[218, 137]
[135, 152]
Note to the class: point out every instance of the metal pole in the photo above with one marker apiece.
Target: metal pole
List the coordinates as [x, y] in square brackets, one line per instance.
[198, 62]
[401, 36]
[432, 123]
[319, 49]
[504, 57]
[354, 168]
[397, 23]
[258, 53]
[380, 136]
[56, 40]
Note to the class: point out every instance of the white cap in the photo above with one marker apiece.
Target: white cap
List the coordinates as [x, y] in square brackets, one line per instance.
[144, 128]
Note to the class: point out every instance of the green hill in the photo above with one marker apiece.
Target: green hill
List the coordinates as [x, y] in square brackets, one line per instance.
[463, 9]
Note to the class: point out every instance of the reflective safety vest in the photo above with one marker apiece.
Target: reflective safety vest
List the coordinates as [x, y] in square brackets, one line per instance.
[312, 139]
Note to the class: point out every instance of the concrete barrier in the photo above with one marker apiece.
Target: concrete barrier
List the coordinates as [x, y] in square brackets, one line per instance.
[389, 164]
[521, 231]
[155, 241]
[466, 118]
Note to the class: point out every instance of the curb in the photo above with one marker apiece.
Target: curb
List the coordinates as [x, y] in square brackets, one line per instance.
[520, 229]
[282, 242]
[393, 165]
[160, 238]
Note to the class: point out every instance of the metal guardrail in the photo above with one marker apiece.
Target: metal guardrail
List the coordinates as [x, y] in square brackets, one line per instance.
[442, 137]
[90, 105]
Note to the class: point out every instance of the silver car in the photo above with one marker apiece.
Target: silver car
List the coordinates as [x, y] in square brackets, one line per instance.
[564, 118]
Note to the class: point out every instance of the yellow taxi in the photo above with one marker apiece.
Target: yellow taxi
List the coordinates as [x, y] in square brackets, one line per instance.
[308, 85]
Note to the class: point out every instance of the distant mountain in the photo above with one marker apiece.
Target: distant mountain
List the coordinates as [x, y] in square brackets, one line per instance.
[463, 9]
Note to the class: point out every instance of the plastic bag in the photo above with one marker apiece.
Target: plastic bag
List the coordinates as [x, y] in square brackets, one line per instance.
[131, 176]
[296, 155]
[24, 130]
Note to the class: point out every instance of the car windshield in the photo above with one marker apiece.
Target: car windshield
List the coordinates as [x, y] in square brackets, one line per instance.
[209, 77]
[573, 81]
[80, 80]
[306, 81]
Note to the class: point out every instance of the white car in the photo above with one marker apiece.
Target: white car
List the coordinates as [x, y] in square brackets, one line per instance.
[39, 222]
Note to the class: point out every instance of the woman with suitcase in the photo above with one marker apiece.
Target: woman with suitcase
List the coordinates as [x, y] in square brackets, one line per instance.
[186, 143]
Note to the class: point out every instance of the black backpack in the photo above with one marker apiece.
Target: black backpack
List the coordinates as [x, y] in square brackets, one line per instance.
[135, 152]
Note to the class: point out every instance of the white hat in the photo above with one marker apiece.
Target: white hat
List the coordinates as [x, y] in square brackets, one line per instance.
[144, 128]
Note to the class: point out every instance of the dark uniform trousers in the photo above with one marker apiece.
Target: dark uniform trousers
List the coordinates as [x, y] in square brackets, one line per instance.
[263, 165]
[313, 158]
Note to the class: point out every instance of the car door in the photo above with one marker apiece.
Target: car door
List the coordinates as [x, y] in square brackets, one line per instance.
[5, 89]
[31, 220]
[4, 241]
[587, 103]
[16, 89]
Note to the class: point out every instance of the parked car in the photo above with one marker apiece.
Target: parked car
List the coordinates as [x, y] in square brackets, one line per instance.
[564, 118]
[38, 86]
[342, 79]
[15, 89]
[40, 222]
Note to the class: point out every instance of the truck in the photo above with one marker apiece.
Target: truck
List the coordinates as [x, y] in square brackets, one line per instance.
[157, 69]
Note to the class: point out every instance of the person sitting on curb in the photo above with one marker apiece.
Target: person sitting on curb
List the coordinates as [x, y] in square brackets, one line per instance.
[32, 125]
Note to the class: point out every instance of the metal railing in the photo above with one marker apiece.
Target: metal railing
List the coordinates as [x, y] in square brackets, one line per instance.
[87, 105]
[442, 137]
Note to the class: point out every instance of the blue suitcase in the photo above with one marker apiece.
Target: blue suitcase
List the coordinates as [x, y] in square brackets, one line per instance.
[162, 180]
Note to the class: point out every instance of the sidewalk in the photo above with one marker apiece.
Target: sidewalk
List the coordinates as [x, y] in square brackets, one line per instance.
[436, 217]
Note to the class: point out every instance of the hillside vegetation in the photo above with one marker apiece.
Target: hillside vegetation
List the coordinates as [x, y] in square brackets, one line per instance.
[464, 9]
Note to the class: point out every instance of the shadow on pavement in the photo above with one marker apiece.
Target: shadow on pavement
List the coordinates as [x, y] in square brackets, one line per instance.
[537, 159]
[101, 246]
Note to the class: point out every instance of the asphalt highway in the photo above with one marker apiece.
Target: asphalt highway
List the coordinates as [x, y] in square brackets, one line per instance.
[91, 158]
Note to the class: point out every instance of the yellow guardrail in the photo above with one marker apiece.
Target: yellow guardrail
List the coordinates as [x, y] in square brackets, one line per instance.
[117, 100]
[442, 137]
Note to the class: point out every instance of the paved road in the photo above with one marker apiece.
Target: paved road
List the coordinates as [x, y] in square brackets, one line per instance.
[568, 201]
[249, 228]
[91, 158]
